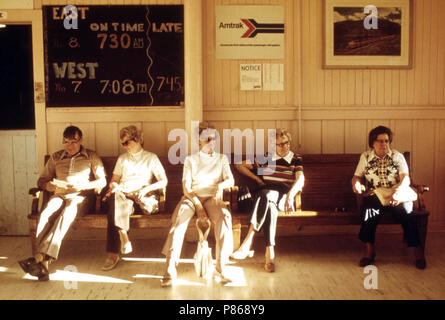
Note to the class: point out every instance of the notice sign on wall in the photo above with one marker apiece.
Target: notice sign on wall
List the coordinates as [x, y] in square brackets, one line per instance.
[249, 32]
[250, 76]
[114, 55]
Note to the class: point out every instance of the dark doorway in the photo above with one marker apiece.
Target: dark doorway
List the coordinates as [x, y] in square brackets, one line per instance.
[16, 78]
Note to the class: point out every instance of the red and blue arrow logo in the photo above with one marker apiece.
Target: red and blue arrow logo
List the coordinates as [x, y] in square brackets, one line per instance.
[254, 28]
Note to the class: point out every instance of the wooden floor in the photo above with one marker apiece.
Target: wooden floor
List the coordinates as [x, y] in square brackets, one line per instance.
[307, 267]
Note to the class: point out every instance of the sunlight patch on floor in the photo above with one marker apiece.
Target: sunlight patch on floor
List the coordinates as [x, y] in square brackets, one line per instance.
[70, 276]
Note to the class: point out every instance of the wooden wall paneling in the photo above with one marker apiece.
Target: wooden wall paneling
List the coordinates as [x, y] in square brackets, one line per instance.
[7, 199]
[387, 75]
[344, 87]
[55, 136]
[169, 126]
[439, 170]
[366, 87]
[426, 49]
[107, 139]
[233, 76]
[424, 157]
[333, 136]
[434, 40]
[31, 165]
[305, 52]
[440, 38]
[403, 87]
[155, 137]
[286, 96]
[311, 136]
[355, 136]
[296, 88]
[380, 87]
[19, 215]
[395, 87]
[328, 87]
[351, 87]
[373, 88]
[418, 57]
[359, 83]
[209, 53]
[314, 90]
[265, 125]
[37, 4]
[336, 88]
[402, 135]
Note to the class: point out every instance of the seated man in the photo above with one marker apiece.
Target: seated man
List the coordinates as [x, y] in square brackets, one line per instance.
[131, 186]
[67, 175]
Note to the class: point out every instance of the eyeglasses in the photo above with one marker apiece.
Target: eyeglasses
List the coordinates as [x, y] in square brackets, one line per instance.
[70, 142]
[208, 139]
[382, 140]
[125, 143]
[283, 144]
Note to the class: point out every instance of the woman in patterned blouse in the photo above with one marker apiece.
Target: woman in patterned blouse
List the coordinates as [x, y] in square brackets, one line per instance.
[383, 167]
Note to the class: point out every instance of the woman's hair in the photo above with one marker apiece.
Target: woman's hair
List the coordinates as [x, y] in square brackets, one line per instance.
[204, 125]
[283, 133]
[132, 133]
[374, 133]
[70, 132]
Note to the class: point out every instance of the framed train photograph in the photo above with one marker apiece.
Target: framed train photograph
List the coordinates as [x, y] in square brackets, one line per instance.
[360, 35]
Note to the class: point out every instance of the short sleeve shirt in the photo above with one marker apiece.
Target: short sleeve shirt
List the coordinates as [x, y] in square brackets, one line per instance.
[279, 172]
[137, 170]
[381, 172]
[80, 167]
[205, 172]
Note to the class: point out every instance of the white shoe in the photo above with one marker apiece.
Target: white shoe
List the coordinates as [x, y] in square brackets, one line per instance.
[241, 255]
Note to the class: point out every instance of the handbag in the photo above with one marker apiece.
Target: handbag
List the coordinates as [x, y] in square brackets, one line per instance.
[405, 194]
[203, 256]
[245, 200]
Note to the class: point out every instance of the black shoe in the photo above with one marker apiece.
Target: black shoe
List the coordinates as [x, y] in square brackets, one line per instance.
[421, 263]
[365, 261]
[34, 268]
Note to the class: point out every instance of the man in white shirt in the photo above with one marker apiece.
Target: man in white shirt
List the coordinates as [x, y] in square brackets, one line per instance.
[131, 186]
[206, 174]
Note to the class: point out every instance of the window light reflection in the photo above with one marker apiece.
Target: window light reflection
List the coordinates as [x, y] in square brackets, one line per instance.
[61, 275]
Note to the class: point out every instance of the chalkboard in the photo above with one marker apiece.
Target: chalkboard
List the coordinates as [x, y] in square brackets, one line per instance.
[114, 55]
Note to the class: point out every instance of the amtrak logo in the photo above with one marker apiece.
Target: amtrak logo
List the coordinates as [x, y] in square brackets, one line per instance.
[254, 28]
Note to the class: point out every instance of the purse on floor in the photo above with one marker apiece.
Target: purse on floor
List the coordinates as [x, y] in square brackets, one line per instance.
[203, 256]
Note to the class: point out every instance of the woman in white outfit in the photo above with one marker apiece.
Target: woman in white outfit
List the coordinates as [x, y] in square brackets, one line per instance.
[205, 175]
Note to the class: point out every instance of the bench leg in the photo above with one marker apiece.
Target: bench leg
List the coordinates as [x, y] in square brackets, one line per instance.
[422, 223]
[32, 235]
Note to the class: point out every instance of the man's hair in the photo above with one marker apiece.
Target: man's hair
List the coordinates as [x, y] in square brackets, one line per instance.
[283, 133]
[374, 133]
[70, 132]
[132, 133]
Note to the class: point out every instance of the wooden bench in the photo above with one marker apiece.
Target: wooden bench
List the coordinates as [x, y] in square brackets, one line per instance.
[327, 199]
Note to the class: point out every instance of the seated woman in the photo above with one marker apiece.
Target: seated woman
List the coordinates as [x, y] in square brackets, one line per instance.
[205, 175]
[387, 168]
[277, 191]
[131, 186]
